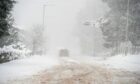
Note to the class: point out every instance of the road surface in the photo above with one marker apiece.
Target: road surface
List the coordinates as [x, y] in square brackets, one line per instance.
[77, 72]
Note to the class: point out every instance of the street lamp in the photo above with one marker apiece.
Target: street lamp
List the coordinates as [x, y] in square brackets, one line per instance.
[43, 28]
[43, 24]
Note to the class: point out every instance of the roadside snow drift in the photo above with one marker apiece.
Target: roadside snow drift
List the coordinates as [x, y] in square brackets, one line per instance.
[130, 62]
[26, 67]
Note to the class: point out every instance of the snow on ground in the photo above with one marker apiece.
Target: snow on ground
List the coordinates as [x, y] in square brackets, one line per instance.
[26, 67]
[67, 61]
[129, 62]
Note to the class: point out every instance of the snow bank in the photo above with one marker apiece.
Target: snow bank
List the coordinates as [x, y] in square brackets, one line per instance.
[26, 67]
[130, 62]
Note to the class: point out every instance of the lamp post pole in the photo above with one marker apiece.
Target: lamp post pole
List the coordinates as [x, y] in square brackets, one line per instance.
[43, 22]
[43, 28]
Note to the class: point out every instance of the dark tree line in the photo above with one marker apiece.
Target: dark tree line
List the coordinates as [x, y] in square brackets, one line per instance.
[121, 24]
[8, 34]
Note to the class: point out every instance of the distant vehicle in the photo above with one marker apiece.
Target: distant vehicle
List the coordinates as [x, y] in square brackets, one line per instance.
[63, 53]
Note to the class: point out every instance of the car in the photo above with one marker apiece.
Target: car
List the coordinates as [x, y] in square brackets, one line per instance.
[63, 53]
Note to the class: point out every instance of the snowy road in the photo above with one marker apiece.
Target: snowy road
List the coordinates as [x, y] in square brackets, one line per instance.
[71, 71]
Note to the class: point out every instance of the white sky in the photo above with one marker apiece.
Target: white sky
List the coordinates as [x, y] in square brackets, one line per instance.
[60, 19]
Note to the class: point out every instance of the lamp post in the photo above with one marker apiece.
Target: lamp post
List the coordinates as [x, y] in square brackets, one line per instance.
[43, 19]
[43, 25]
[43, 28]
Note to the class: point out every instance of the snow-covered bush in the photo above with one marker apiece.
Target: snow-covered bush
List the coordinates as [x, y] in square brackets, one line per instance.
[13, 51]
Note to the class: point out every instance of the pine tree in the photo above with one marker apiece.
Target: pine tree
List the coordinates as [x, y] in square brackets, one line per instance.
[5, 9]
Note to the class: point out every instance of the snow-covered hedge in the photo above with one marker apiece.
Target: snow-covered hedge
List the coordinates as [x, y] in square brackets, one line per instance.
[13, 51]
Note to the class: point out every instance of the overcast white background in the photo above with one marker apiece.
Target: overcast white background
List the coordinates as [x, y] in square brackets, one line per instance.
[60, 18]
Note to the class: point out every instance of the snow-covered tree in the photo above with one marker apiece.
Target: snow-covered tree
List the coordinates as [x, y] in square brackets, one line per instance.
[123, 25]
[37, 39]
